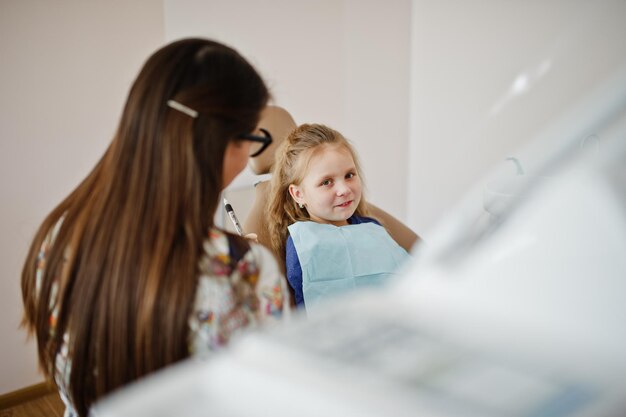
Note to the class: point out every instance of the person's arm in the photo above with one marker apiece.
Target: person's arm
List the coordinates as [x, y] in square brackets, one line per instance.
[404, 236]
[294, 273]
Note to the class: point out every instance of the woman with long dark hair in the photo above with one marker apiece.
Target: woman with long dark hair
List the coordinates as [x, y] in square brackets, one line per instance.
[129, 274]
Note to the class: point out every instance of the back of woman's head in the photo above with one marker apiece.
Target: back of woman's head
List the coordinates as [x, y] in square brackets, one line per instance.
[171, 150]
[122, 270]
[290, 167]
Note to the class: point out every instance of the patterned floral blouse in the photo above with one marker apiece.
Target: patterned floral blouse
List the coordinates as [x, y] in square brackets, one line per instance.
[228, 300]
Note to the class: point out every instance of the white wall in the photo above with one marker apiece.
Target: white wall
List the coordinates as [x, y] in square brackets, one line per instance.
[66, 68]
[489, 75]
[344, 63]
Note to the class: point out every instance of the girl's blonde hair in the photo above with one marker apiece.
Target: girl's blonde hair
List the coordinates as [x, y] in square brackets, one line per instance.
[292, 160]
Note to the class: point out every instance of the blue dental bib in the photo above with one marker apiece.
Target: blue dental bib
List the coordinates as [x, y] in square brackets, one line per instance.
[336, 259]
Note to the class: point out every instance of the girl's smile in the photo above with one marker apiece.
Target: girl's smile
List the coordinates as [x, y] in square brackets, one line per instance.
[346, 204]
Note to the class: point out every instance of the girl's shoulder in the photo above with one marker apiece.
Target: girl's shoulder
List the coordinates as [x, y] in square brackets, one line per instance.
[356, 219]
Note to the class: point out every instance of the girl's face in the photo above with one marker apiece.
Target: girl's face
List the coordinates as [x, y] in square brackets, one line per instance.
[331, 188]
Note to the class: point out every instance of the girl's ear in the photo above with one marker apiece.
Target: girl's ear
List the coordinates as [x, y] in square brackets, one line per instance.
[296, 193]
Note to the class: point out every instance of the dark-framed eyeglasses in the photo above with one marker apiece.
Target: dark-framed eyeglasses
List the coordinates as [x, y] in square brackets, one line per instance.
[259, 143]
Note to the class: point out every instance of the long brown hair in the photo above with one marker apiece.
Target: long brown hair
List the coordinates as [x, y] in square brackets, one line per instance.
[290, 166]
[123, 265]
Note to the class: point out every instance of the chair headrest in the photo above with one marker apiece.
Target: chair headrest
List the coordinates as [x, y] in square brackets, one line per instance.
[279, 123]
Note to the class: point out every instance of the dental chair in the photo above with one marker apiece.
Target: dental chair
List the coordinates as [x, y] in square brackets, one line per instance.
[279, 123]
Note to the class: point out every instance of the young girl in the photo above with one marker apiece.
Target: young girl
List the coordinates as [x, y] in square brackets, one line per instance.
[318, 218]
